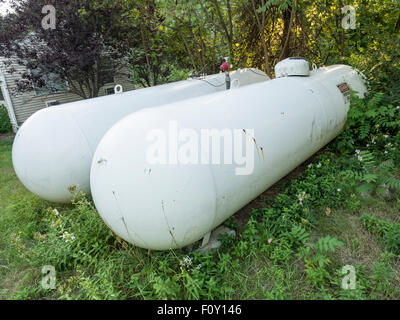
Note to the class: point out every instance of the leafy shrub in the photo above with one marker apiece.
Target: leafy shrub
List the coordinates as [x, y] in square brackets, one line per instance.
[370, 124]
[381, 278]
[5, 124]
[316, 259]
[65, 244]
[372, 135]
[371, 176]
[389, 232]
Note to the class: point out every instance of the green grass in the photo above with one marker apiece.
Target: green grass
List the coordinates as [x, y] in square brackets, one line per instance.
[283, 250]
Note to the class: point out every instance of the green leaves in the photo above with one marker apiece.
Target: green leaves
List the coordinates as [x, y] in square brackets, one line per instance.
[392, 182]
[316, 259]
[5, 124]
[297, 236]
[326, 245]
[388, 232]
[280, 4]
[372, 132]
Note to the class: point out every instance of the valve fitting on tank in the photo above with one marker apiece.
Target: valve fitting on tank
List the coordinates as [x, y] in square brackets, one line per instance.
[292, 67]
[225, 68]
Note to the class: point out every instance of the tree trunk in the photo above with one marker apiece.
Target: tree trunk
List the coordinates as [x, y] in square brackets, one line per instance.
[261, 29]
[146, 53]
[288, 17]
[229, 35]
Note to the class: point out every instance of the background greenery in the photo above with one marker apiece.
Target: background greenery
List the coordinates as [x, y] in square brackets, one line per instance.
[339, 208]
[5, 123]
[166, 40]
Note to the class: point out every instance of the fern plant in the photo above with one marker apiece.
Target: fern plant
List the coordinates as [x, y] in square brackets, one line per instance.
[316, 259]
[372, 176]
[368, 120]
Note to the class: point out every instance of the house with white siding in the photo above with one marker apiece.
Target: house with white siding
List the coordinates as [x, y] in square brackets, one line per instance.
[21, 106]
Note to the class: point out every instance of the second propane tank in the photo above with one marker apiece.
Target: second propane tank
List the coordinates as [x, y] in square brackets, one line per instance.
[53, 149]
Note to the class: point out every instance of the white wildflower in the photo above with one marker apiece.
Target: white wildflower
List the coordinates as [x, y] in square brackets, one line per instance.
[67, 236]
[301, 197]
[319, 165]
[186, 261]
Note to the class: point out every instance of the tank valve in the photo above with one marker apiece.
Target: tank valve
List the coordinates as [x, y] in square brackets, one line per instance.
[225, 68]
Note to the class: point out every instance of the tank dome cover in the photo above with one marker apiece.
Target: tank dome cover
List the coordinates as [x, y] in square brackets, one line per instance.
[292, 67]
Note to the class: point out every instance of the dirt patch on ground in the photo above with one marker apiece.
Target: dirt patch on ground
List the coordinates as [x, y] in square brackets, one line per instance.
[362, 247]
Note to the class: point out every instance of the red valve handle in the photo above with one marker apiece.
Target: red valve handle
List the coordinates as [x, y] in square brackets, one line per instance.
[225, 66]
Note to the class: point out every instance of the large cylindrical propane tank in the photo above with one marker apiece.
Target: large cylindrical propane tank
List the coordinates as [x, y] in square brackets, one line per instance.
[158, 183]
[53, 149]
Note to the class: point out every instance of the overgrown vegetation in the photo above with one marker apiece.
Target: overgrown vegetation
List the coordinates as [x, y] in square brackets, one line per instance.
[163, 37]
[342, 209]
[5, 123]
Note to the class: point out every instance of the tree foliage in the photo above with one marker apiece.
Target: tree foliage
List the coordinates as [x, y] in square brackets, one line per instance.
[168, 39]
[87, 33]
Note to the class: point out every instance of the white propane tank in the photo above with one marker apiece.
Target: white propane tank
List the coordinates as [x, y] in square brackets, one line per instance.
[154, 201]
[53, 149]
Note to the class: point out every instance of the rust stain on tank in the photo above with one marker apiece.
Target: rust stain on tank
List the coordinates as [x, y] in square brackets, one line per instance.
[312, 130]
[255, 142]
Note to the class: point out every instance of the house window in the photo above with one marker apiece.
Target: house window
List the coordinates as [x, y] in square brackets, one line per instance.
[52, 103]
[109, 91]
[53, 84]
